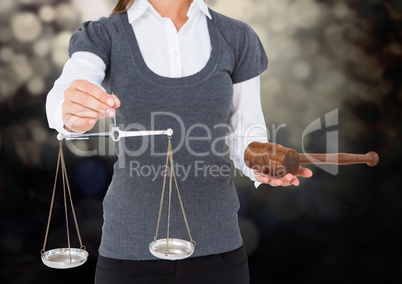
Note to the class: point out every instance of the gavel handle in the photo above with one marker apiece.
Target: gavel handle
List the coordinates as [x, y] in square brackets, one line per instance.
[371, 159]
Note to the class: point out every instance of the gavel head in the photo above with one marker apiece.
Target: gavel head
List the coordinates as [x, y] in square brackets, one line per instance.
[271, 159]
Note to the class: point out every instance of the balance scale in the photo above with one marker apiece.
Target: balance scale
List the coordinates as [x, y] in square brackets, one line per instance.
[165, 248]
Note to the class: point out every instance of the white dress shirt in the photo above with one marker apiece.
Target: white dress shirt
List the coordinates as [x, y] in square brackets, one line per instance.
[171, 53]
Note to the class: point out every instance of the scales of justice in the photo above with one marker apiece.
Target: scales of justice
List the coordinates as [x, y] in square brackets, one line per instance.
[269, 158]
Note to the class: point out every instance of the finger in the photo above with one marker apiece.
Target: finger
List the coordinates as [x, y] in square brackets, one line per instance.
[259, 174]
[86, 101]
[81, 111]
[290, 179]
[266, 179]
[94, 91]
[275, 182]
[69, 120]
[79, 124]
[262, 179]
[295, 181]
[287, 180]
[304, 172]
[272, 181]
[117, 102]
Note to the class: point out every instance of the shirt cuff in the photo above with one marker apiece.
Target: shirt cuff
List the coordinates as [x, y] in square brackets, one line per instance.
[257, 184]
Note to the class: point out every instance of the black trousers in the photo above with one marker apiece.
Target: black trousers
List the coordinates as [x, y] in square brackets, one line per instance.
[230, 267]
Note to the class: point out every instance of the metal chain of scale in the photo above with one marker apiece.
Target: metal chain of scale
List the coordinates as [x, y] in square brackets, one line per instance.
[63, 257]
[171, 248]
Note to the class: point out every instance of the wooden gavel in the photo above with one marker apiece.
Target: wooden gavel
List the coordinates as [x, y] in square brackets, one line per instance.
[275, 160]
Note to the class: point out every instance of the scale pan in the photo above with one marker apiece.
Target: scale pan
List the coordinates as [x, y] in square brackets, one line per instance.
[177, 249]
[63, 258]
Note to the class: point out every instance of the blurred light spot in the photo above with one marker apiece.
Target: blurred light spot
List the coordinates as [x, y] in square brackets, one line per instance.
[6, 6]
[27, 1]
[5, 34]
[28, 152]
[26, 26]
[311, 47]
[250, 234]
[336, 79]
[38, 133]
[322, 63]
[43, 67]
[301, 70]
[278, 24]
[42, 47]
[272, 53]
[299, 92]
[94, 9]
[320, 89]
[6, 54]
[276, 8]
[60, 48]
[47, 14]
[22, 68]
[36, 86]
[394, 48]
[66, 16]
[262, 34]
[59, 57]
[236, 8]
[305, 13]
[340, 10]
[273, 85]
[334, 33]
[8, 84]
[289, 48]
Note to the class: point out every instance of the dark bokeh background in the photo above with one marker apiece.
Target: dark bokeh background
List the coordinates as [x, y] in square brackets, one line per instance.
[324, 56]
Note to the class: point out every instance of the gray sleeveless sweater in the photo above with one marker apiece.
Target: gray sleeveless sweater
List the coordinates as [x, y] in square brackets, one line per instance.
[197, 108]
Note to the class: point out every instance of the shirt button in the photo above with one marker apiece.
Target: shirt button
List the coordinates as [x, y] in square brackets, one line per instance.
[175, 53]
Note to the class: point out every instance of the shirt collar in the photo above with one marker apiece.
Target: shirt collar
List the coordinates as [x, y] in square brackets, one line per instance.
[202, 6]
[139, 7]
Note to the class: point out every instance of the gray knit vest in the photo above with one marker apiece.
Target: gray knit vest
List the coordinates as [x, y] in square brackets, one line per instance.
[197, 108]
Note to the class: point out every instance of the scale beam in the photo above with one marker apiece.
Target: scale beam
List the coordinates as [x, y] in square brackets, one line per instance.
[116, 134]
